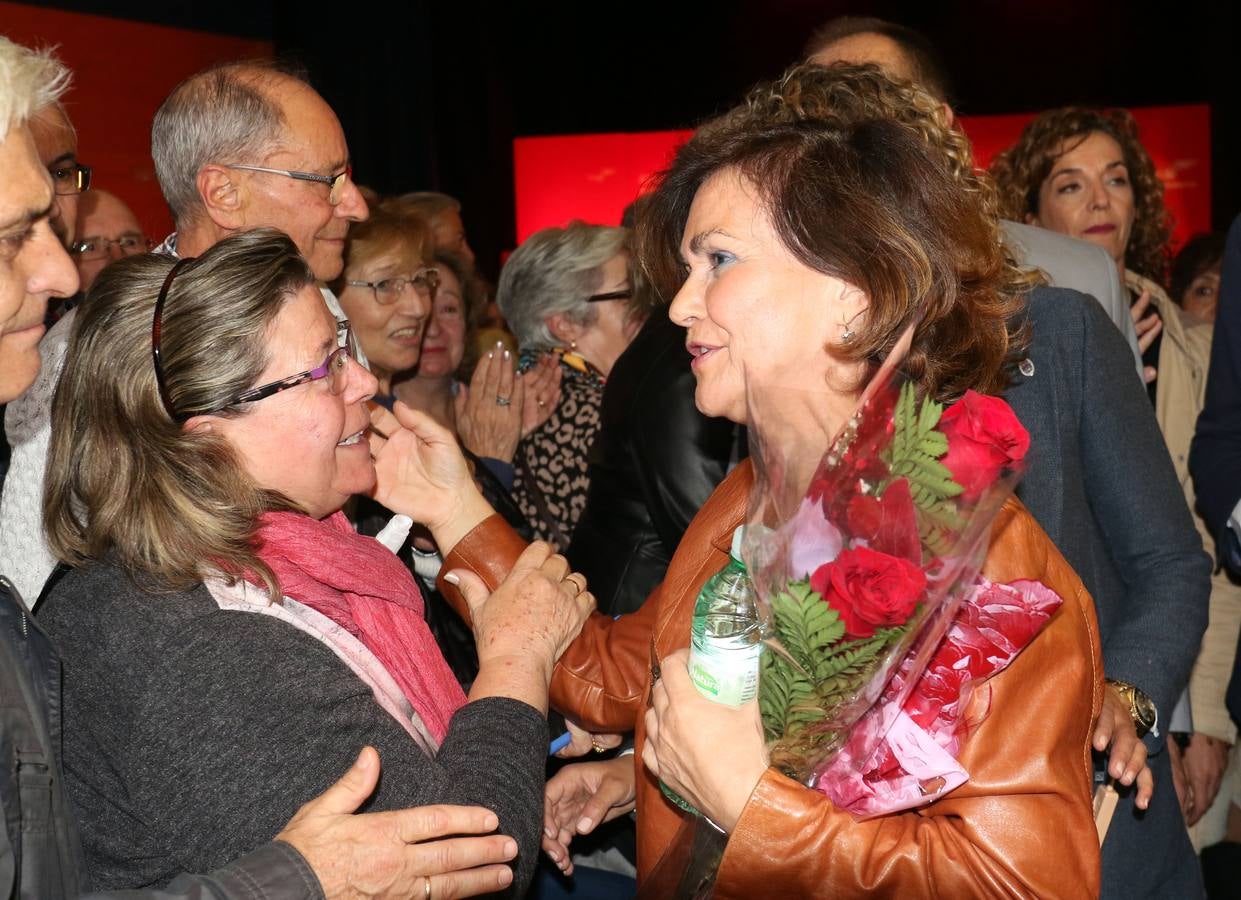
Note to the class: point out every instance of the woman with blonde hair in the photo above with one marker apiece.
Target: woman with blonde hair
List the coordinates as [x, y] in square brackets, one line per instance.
[228, 640]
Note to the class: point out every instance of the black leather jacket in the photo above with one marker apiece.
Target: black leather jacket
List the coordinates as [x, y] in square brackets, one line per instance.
[654, 462]
[40, 857]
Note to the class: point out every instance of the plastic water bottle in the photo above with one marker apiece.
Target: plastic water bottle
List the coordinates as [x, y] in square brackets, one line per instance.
[725, 636]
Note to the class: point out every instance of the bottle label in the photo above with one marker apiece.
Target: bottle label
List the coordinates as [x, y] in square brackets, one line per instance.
[727, 675]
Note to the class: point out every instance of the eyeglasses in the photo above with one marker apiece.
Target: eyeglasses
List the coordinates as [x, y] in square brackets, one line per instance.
[70, 179]
[625, 294]
[95, 248]
[336, 182]
[425, 282]
[335, 367]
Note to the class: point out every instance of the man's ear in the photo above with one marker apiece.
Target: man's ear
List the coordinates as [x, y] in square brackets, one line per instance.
[223, 196]
[564, 329]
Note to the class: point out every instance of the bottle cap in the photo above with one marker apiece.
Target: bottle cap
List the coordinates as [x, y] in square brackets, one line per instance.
[735, 550]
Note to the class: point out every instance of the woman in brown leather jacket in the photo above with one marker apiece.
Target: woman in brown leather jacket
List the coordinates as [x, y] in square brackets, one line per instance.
[797, 254]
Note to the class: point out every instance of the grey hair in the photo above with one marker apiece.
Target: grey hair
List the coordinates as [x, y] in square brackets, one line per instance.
[29, 81]
[220, 115]
[554, 271]
[122, 476]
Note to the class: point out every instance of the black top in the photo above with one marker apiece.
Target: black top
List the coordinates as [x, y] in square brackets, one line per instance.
[654, 462]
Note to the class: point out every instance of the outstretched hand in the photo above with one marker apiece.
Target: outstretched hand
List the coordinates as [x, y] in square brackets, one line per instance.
[579, 798]
[420, 472]
[389, 854]
[524, 625]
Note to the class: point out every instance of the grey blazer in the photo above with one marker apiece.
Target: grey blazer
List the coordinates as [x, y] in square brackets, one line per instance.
[1070, 263]
[1100, 482]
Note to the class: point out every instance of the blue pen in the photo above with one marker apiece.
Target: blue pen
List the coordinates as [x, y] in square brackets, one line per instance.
[559, 743]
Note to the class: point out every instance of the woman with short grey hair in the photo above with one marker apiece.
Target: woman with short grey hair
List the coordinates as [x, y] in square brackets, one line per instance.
[574, 292]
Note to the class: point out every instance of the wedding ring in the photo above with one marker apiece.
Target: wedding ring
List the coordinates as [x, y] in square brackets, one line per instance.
[598, 748]
[502, 401]
[426, 887]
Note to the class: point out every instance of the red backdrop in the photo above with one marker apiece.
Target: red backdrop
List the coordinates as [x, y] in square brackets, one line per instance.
[122, 72]
[594, 176]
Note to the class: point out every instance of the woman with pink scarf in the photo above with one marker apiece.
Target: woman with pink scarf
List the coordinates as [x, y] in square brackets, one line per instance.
[229, 643]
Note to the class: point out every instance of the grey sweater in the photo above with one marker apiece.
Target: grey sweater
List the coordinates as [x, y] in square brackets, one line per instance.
[192, 734]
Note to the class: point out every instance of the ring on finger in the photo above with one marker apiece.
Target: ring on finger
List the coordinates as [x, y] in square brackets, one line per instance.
[426, 887]
[502, 401]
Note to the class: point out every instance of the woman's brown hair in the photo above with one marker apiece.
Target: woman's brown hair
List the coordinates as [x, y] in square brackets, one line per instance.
[386, 229]
[123, 478]
[1020, 171]
[861, 197]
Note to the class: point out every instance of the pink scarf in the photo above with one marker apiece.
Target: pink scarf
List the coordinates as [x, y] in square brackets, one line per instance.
[358, 583]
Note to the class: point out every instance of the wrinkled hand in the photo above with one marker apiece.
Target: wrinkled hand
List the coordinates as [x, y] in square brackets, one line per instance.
[1184, 790]
[524, 625]
[1204, 761]
[1148, 325]
[712, 755]
[1127, 762]
[386, 854]
[542, 393]
[581, 797]
[582, 741]
[485, 425]
[420, 472]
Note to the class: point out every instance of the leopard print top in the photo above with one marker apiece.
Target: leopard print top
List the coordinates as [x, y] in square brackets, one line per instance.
[550, 464]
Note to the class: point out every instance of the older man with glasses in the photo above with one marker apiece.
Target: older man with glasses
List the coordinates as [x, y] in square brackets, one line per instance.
[236, 147]
[107, 231]
[325, 850]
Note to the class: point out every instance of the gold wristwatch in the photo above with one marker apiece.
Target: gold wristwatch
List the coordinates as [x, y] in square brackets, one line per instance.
[1141, 707]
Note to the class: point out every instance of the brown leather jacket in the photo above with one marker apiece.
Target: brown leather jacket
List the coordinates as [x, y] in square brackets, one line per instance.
[1022, 826]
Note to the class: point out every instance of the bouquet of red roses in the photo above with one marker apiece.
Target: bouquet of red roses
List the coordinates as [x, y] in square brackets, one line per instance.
[862, 572]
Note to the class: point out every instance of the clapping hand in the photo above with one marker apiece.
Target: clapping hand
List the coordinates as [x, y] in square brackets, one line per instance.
[490, 410]
[542, 392]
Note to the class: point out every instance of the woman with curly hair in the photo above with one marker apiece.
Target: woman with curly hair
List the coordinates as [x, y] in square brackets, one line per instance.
[1084, 173]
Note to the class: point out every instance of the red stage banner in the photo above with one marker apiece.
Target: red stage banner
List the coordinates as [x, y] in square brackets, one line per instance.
[594, 176]
[122, 71]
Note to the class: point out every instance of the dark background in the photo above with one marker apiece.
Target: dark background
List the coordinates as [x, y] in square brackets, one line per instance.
[432, 94]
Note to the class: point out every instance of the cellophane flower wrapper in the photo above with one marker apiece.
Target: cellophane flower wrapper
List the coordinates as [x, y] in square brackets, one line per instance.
[862, 547]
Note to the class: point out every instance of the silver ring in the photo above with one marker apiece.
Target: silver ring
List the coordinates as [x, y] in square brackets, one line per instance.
[502, 401]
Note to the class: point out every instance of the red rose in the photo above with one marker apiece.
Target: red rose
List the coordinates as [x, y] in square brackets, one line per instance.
[888, 524]
[984, 437]
[869, 589]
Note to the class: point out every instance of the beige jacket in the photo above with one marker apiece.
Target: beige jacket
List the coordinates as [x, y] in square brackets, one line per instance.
[1184, 355]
